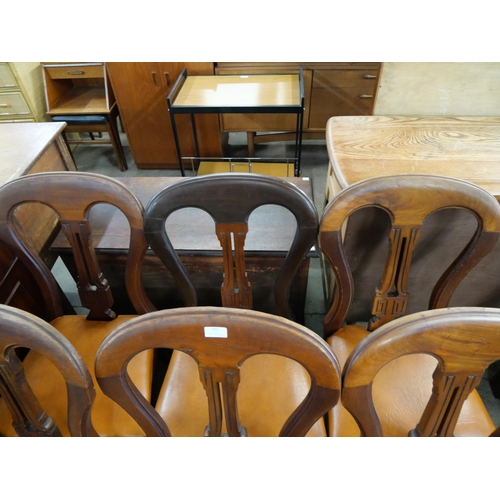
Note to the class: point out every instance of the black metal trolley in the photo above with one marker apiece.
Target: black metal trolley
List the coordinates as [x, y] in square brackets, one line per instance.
[237, 94]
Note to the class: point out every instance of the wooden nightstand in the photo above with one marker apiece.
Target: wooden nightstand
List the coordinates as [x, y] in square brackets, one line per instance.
[79, 94]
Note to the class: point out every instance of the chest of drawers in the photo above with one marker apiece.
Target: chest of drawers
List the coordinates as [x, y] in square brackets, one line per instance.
[21, 93]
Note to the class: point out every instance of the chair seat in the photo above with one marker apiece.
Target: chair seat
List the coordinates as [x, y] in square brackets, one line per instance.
[108, 418]
[81, 119]
[273, 384]
[405, 383]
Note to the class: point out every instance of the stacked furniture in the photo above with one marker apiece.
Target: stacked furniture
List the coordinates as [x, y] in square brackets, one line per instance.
[141, 91]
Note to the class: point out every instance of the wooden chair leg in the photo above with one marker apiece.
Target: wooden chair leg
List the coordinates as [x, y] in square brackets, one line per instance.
[117, 145]
[251, 144]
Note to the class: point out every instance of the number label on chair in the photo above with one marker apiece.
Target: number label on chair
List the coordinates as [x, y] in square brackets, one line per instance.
[219, 332]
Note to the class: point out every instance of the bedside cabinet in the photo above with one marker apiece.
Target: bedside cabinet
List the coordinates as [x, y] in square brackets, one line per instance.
[79, 94]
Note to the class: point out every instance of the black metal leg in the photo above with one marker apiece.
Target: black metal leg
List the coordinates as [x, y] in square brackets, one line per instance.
[177, 144]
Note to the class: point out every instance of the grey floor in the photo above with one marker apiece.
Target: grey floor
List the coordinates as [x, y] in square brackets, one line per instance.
[101, 159]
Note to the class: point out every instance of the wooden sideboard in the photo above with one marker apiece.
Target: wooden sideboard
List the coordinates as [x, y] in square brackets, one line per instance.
[28, 148]
[330, 89]
[141, 91]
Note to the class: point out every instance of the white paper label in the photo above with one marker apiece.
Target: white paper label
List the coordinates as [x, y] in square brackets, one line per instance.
[219, 332]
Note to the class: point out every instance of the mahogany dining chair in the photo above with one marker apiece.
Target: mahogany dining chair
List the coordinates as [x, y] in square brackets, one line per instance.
[230, 199]
[461, 341]
[20, 329]
[407, 200]
[71, 195]
[219, 343]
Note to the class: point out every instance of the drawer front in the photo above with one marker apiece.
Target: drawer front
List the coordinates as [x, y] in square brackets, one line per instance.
[7, 80]
[258, 122]
[13, 103]
[326, 103]
[11, 120]
[77, 71]
[365, 78]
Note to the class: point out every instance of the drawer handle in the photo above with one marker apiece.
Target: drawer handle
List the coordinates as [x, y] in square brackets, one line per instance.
[76, 72]
[366, 96]
[4, 105]
[167, 77]
[369, 77]
[155, 78]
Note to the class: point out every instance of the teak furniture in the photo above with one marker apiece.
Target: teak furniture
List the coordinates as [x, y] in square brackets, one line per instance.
[141, 91]
[71, 196]
[406, 201]
[27, 148]
[227, 352]
[80, 95]
[192, 234]
[463, 341]
[261, 94]
[330, 89]
[362, 147]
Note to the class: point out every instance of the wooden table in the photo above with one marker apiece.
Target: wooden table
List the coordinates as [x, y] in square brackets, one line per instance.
[271, 231]
[28, 148]
[361, 147]
[282, 94]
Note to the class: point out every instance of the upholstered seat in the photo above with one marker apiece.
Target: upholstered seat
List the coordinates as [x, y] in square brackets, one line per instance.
[81, 123]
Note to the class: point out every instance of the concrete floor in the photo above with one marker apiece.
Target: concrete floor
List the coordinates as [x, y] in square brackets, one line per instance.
[101, 159]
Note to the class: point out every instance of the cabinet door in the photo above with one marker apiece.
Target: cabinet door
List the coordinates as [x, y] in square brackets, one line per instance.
[141, 91]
